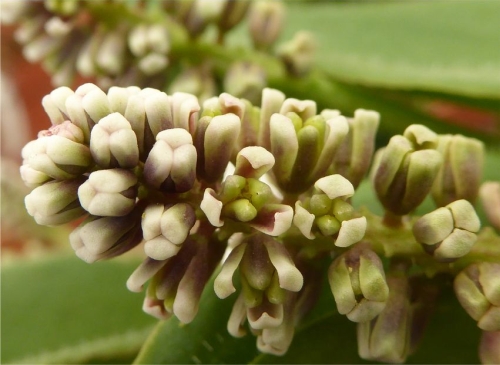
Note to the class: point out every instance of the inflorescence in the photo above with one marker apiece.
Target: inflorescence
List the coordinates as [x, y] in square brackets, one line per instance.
[260, 197]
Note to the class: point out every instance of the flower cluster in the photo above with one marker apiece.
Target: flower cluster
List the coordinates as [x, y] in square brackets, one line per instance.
[259, 197]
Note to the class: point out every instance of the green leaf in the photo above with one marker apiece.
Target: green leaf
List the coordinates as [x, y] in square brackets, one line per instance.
[59, 309]
[442, 46]
[203, 341]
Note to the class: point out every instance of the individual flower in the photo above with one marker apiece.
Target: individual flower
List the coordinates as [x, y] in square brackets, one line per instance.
[58, 153]
[303, 143]
[266, 22]
[358, 284]
[386, 338]
[198, 81]
[462, 156]
[477, 288]
[245, 80]
[448, 233]
[109, 193]
[327, 213]
[151, 44]
[100, 238]
[298, 53]
[113, 143]
[244, 198]
[165, 228]
[171, 164]
[55, 202]
[406, 169]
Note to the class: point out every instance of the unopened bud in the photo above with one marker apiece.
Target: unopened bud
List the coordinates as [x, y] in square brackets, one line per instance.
[165, 228]
[298, 53]
[113, 142]
[245, 80]
[357, 281]
[490, 198]
[171, 164]
[461, 172]
[109, 193]
[266, 22]
[55, 202]
[407, 169]
[449, 232]
[478, 291]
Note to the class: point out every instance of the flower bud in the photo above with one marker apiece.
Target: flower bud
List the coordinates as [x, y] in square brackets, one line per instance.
[245, 80]
[478, 291]
[215, 140]
[55, 202]
[407, 169]
[489, 347]
[100, 238]
[357, 281]
[304, 149]
[113, 142]
[490, 198]
[272, 100]
[171, 164]
[165, 228]
[386, 338]
[109, 193]
[327, 213]
[462, 156]
[194, 80]
[232, 14]
[57, 154]
[185, 109]
[54, 104]
[266, 22]
[111, 56]
[448, 233]
[353, 157]
[298, 53]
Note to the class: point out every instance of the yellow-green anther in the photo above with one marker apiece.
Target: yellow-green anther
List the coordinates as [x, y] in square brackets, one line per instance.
[241, 210]
[296, 120]
[449, 232]
[320, 204]
[232, 187]
[275, 294]
[259, 193]
[478, 291]
[490, 198]
[462, 156]
[328, 225]
[342, 210]
[272, 100]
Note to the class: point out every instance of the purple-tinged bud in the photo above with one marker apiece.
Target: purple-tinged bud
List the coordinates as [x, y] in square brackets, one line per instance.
[266, 22]
[490, 198]
[109, 193]
[100, 238]
[113, 143]
[171, 164]
[272, 100]
[54, 104]
[478, 290]
[358, 284]
[165, 228]
[448, 233]
[54, 155]
[185, 109]
[460, 175]
[406, 169]
[55, 202]
[386, 338]
[489, 347]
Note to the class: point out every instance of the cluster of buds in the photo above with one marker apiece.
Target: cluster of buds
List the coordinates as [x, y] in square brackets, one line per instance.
[138, 166]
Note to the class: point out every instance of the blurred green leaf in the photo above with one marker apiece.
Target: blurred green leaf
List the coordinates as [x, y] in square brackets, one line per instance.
[203, 341]
[442, 46]
[62, 310]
